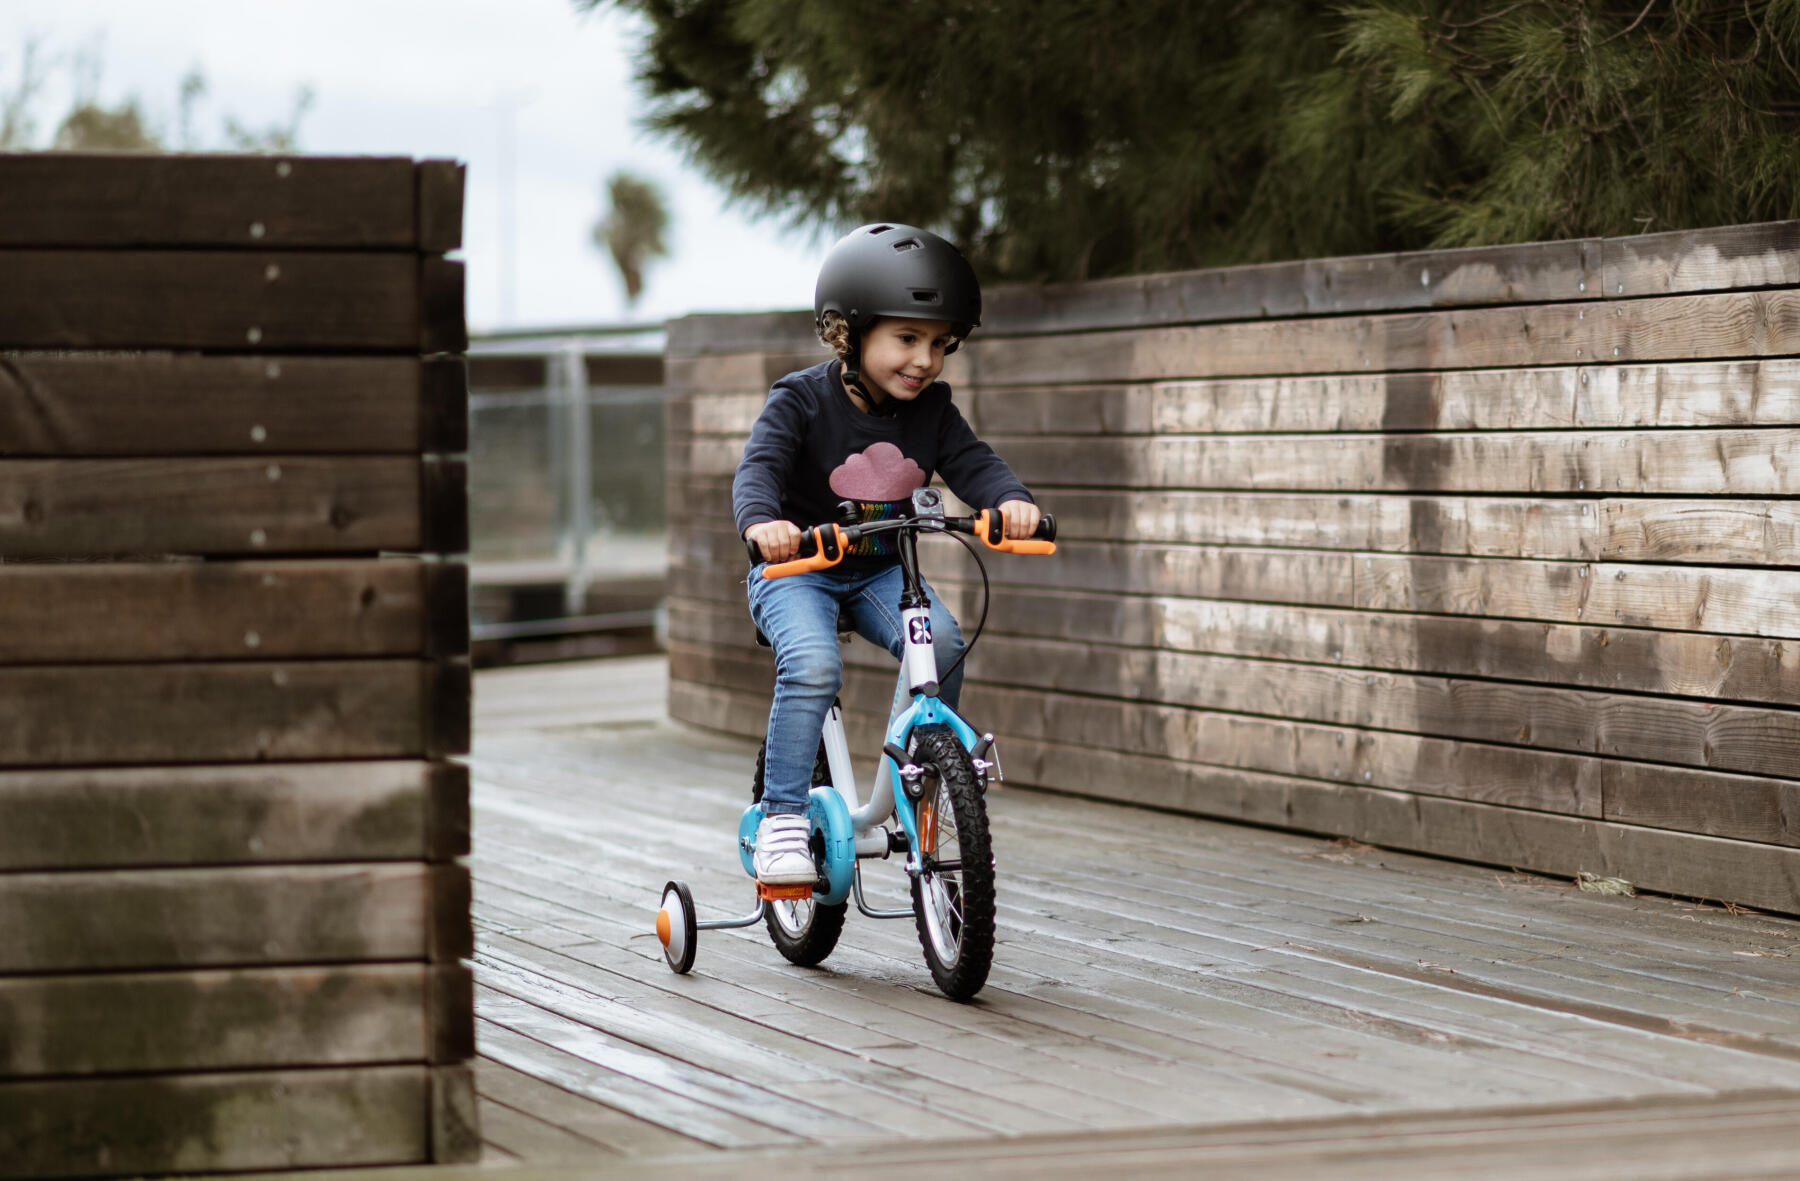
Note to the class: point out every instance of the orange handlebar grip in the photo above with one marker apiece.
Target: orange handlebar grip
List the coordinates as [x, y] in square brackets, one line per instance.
[985, 526]
[828, 551]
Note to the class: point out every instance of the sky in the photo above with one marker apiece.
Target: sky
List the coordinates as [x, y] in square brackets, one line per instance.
[444, 78]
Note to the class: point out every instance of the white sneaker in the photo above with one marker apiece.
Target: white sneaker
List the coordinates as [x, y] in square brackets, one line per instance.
[783, 857]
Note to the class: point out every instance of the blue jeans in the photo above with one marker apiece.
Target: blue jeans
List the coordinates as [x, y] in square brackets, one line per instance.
[799, 616]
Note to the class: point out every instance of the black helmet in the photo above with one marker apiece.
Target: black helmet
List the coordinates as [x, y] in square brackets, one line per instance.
[894, 270]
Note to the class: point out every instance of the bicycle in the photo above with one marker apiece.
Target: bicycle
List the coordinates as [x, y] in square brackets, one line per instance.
[931, 757]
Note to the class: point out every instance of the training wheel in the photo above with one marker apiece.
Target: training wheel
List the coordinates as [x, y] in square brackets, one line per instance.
[675, 926]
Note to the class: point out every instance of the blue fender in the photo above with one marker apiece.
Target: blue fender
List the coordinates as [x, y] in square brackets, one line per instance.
[828, 814]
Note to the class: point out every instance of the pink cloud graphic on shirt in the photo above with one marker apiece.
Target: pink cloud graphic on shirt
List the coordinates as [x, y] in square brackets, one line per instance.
[878, 472]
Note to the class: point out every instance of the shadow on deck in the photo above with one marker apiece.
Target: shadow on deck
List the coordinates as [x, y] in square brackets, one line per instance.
[1168, 993]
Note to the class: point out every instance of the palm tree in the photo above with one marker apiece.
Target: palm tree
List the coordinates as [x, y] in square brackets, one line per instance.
[633, 229]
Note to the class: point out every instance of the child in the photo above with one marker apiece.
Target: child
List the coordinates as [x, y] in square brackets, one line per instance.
[870, 425]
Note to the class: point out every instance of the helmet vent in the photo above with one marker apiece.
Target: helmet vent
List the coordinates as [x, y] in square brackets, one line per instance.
[926, 297]
[879, 229]
[905, 244]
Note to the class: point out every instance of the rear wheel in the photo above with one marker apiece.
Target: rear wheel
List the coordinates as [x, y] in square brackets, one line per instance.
[804, 931]
[953, 895]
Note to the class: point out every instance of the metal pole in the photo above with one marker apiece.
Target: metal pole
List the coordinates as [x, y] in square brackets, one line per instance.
[577, 430]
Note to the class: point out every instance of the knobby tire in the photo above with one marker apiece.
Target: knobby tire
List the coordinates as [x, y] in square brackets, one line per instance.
[967, 895]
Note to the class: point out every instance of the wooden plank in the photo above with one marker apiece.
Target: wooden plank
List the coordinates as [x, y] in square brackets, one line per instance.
[1740, 807]
[65, 613]
[251, 202]
[1765, 255]
[240, 712]
[1375, 282]
[1761, 255]
[603, 1128]
[444, 404]
[1622, 659]
[1748, 739]
[1741, 738]
[1714, 601]
[452, 934]
[450, 1013]
[1706, 394]
[710, 412]
[440, 185]
[527, 1136]
[97, 818]
[214, 1122]
[736, 372]
[222, 917]
[1674, 328]
[278, 504]
[242, 301]
[167, 404]
[1747, 531]
[1700, 1138]
[676, 1111]
[1679, 863]
[628, 370]
[1711, 803]
[444, 504]
[706, 333]
[1560, 783]
[1700, 462]
[1711, 532]
[442, 327]
[219, 1019]
[455, 1123]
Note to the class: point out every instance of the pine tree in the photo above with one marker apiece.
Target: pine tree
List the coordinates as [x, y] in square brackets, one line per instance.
[1079, 138]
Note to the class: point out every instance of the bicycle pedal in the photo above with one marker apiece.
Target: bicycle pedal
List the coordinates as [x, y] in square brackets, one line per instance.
[770, 893]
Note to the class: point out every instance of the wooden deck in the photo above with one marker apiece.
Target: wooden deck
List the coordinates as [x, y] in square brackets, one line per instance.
[1168, 993]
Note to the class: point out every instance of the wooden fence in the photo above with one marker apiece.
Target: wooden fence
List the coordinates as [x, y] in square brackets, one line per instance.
[232, 663]
[1492, 553]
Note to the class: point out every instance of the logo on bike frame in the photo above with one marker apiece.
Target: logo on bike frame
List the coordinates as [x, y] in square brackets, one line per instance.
[918, 631]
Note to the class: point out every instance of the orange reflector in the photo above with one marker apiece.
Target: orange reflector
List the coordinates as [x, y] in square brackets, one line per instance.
[662, 926]
[783, 893]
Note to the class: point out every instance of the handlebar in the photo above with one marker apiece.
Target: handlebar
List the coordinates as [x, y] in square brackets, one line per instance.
[824, 546]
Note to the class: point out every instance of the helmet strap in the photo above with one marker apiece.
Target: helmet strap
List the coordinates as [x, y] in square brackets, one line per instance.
[878, 404]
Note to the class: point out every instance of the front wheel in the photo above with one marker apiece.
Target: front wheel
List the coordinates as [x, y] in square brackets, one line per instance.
[953, 895]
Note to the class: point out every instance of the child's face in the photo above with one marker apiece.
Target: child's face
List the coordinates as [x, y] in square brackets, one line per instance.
[902, 357]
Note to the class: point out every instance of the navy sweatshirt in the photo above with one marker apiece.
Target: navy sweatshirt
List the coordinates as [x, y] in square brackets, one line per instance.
[811, 448]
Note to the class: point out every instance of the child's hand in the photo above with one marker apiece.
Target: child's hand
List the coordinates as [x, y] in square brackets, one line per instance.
[778, 540]
[1020, 518]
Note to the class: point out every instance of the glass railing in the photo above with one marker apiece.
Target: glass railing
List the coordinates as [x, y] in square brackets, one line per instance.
[566, 484]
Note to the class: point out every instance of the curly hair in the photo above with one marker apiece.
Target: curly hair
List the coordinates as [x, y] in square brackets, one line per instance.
[834, 334]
